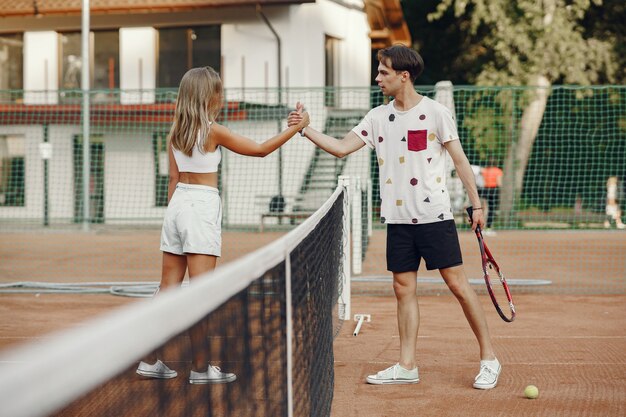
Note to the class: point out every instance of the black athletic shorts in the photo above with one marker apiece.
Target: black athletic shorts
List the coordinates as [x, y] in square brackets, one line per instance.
[437, 243]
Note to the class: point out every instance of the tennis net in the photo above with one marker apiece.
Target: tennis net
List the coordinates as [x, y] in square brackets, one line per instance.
[270, 318]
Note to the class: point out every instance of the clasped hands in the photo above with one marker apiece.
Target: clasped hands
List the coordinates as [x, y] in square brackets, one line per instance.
[298, 117]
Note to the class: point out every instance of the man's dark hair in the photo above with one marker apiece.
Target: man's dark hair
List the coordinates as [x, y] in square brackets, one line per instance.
[402, 58]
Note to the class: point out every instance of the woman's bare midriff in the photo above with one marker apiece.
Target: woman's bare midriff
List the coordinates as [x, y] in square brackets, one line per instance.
[209, 178]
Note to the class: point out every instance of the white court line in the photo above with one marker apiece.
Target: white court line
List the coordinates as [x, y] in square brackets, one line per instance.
[525, 337]
[505, 363]
[559, 337]
[439, 280]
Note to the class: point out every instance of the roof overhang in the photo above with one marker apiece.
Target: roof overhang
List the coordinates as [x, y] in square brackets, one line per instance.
[23, 8]
[387, 24]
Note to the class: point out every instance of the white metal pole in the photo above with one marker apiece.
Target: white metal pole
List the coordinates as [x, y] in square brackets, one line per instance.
[86, 112]
[357, 227]
[289, 314]
[344, 181]
[370, 208]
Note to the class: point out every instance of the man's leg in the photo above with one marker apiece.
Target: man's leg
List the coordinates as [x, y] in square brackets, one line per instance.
[402, 256]
[405, 287]
[490, 367]
[405, 371]
[457, 282]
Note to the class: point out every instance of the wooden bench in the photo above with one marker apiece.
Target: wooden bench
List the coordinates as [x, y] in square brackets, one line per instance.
[281, 215]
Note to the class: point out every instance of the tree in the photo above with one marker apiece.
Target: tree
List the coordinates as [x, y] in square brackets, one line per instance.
[536, 44]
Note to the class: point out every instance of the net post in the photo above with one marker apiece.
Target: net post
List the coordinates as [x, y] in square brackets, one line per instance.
[357, 229]
[85, 113]
[344, 181]
[369, 207]
[289, 335]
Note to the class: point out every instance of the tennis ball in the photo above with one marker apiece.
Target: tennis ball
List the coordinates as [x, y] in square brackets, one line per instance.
[531, 392]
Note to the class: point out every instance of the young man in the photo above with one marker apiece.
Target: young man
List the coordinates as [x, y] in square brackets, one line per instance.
[411, 136]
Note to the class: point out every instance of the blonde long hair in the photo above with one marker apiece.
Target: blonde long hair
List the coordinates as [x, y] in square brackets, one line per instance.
[198, 104]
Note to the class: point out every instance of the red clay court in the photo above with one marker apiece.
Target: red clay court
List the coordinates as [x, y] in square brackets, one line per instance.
[567, 340]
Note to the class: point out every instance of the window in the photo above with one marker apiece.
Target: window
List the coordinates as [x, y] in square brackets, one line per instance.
[71, 61]
[161, 168]
[96, 179]
[104, 63]
[11, 66]
[181, 49]
[331, 71]
[12, 170]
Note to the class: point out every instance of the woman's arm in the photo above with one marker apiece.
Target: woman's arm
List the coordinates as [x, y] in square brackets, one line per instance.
[221, 135]
[174, 175]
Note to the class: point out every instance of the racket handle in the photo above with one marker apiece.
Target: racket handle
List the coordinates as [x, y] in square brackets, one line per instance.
[470, 212]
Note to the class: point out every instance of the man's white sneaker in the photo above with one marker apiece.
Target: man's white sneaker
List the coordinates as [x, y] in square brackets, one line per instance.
[213, 375]
[395, 375]
[158, 370]
[487, 378]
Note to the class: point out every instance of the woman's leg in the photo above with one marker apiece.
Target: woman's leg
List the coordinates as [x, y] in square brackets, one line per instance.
[173, 270]
[198, 265]
[172, 274]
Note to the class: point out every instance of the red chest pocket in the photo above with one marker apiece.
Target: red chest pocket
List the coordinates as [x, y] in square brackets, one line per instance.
[417, 140]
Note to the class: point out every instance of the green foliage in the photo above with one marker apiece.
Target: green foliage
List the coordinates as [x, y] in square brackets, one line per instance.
[488, 122]
[526, 38]
[443, 44]
[580, 144]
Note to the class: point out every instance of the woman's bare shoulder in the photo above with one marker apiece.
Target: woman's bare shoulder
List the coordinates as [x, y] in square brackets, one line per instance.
[220, 133]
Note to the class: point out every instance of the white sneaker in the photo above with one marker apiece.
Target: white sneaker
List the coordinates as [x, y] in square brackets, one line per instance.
[487, 378]
[489, 232]
[213, 375]
[159, 370]
[395, 375]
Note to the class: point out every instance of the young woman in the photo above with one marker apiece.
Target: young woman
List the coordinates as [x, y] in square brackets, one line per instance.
[191, 234]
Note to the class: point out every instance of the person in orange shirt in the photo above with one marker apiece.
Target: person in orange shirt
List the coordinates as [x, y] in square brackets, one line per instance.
[492, 176]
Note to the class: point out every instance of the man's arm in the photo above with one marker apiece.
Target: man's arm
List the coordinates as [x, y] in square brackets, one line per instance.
[465, 173]
[339, 148]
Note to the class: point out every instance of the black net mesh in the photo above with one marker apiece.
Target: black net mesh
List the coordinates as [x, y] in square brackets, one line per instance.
[247, 335]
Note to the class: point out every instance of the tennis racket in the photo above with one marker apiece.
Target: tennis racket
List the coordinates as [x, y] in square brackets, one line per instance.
[490, 263]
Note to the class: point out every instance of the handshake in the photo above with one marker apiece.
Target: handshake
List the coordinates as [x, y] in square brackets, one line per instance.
[299, 118]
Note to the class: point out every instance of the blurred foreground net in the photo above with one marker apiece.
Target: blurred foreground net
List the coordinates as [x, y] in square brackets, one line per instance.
[270, 318]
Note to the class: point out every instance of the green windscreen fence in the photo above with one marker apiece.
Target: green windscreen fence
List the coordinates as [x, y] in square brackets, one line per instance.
[559, 155]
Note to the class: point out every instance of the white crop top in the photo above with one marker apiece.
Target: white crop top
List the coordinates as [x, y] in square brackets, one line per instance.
[198, 162]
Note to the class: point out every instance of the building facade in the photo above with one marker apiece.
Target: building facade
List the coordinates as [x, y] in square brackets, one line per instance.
[268, 53]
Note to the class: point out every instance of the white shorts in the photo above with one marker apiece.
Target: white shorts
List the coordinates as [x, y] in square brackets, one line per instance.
[612, 210]
[193, 221]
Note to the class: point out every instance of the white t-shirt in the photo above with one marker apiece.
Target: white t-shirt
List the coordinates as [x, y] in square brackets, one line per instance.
[411, 160]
